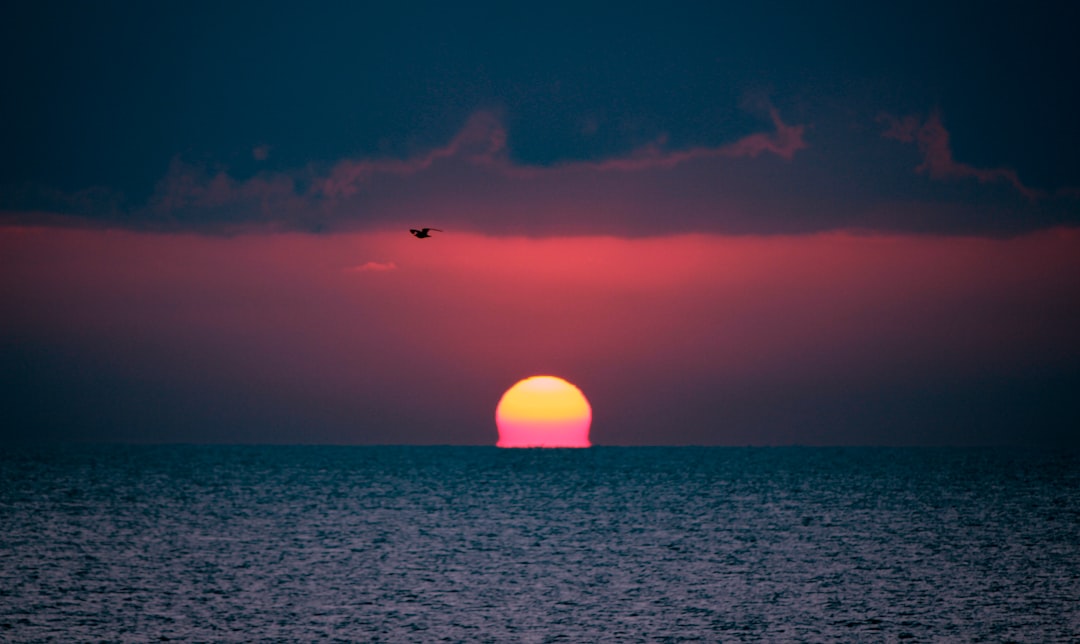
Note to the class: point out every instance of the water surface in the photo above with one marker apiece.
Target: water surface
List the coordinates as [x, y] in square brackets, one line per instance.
[124, 543]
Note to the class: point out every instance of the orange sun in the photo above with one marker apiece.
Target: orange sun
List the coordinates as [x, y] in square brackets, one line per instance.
[543, 411]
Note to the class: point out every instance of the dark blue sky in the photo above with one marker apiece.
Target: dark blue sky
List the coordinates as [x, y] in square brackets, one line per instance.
[105, 95]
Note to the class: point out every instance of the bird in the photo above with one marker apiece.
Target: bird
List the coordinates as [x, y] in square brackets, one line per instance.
[423, 232]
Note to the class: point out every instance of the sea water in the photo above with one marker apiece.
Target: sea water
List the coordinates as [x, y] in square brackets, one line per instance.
[427, 544]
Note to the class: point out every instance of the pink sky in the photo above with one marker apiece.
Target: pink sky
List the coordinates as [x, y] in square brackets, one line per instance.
[379, 337]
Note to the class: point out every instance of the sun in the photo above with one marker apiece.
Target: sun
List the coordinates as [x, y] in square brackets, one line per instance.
[543, 411]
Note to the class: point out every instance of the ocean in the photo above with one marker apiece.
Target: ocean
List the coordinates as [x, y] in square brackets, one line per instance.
[477, 544]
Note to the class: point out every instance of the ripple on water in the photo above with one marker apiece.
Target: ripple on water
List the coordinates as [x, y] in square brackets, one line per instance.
[479, 544]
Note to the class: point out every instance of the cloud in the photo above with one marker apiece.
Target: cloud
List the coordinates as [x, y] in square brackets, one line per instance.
[376, 267]
[784, 143]
[772, 181]
[471, 181]
[194, 197]
[260, 152]
[938, 163]
[480, 141]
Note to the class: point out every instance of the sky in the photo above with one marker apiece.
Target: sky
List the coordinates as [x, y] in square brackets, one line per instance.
[779, 224]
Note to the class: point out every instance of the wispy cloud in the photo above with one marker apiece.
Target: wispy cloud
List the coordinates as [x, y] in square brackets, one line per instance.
[784, 142]
[482, 142]
[372, 267]
[482, 138]
[191, 196]
[474, 162]
[768, 182]
[938, 162]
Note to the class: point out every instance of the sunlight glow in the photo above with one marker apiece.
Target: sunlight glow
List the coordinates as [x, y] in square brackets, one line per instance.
[543, 411]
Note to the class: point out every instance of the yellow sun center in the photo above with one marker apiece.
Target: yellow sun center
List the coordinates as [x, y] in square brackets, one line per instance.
[543, 411]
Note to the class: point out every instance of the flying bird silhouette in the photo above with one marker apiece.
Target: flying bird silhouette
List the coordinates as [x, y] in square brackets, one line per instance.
[423, 232]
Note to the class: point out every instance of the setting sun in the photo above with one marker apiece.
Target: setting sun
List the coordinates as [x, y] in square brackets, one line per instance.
[543, 411]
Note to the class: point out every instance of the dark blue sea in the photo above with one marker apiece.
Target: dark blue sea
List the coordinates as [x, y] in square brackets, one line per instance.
[429, 544]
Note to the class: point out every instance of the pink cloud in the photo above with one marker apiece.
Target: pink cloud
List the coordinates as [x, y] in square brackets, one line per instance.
[377, 267]
[470, 181]
[784, 142]
[938, 162]
[481, 140]
[187, 187]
